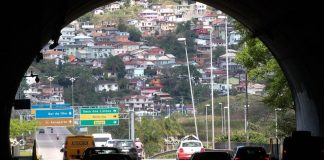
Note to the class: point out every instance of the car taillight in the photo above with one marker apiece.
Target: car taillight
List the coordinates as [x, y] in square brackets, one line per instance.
[202, 149]
[181, 150]
[237, 158]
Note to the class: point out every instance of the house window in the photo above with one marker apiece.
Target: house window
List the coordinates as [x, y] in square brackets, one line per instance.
[137, 99]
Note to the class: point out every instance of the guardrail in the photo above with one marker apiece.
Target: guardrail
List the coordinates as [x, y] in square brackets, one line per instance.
[174, 151]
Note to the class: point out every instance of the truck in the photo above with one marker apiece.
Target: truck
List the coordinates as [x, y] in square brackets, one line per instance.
[101, 138]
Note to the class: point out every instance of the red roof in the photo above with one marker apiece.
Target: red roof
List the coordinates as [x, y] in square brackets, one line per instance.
[155, 51]
[129, 43]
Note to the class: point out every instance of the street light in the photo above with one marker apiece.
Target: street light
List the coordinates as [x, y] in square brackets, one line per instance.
[72, 79]
[212, 85]
[227, 84]
[207, 105]
[189, 77]
[50, 79]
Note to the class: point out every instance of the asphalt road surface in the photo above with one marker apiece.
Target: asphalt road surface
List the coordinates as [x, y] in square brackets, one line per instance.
[47, 144]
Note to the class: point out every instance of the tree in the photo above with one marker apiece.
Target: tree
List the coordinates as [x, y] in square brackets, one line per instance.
[115, 64]
[17, 127]
[220, 50]
[150, 72]
[262, 66]
[134, 33]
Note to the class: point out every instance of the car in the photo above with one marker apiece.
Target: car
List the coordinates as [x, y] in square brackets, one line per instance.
[126, 146]
[250, 153]
[91, 152]
[41, 131]
[111, 156]
[188, 146]
[211, 155]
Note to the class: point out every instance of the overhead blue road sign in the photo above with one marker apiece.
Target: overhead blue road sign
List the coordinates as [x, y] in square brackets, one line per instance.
[61, 106]
[40, 106]
[53, 106]
[54, 113]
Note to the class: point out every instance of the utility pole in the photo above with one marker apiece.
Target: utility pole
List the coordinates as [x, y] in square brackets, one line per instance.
[132, 125]
[182, 104]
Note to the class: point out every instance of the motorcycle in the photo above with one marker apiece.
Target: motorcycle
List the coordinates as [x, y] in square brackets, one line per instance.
[140, 153]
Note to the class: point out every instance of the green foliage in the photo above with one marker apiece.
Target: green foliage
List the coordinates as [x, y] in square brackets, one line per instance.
[86, 17]
[153, 131]
[220, 50]
[127, 12]
[150, 72]
[134, 33]
[240, 136]
[17, 127]
[262, 66]
[176, 82]
[116, 65]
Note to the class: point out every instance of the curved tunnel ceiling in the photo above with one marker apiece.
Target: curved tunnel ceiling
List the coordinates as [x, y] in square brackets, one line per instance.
[290, 30]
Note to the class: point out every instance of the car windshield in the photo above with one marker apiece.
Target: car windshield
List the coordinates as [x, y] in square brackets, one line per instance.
[191, 144]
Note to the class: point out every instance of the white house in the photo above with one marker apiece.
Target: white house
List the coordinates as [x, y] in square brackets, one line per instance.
[67, 36]
[234, 38]
[138, 102]
[113, 6]
[106, 86]
[99, 12]
[100, 51]
[149, 14]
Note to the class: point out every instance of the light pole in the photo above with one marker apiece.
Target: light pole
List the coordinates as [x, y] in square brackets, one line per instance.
[246, 122]
[276, 118]
[50, 79]
[222, 117]
[72, 79]
[212, 86]
[277, 141]
[227, 84]
[246, 108]
[189, 77]
[207, 105]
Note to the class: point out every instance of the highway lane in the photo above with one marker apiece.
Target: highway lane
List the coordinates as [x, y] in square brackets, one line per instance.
[47, 144]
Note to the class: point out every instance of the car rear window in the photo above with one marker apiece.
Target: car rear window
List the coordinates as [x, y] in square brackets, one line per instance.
[251, 151]
[191, 144]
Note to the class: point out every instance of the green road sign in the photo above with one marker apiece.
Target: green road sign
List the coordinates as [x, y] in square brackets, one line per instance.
[99, 116]
[99, 122]
[99, 110]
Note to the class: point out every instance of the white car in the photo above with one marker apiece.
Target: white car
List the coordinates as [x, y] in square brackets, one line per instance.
[189, 146]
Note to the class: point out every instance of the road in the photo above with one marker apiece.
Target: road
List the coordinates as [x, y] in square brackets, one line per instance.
[47, 144]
